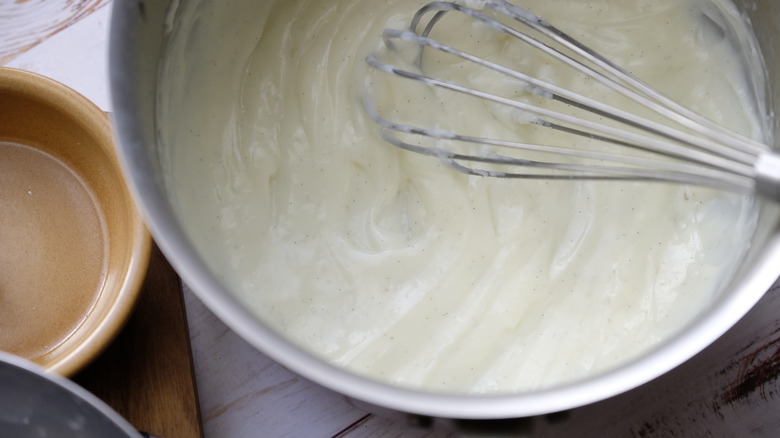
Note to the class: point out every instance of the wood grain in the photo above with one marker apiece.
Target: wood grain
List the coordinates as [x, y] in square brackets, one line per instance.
[147, 374]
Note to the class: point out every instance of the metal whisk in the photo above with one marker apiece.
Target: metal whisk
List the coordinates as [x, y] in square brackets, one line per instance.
[686, 148]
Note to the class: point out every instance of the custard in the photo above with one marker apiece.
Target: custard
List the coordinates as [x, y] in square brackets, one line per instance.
[394, 266]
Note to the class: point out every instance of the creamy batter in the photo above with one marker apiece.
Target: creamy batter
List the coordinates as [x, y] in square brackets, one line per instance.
[398, 268]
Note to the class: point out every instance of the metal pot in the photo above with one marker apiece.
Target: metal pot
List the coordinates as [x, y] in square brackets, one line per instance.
[137, 38]
[36, 404]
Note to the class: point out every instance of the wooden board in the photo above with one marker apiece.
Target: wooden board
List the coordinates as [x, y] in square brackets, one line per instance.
[147, 374]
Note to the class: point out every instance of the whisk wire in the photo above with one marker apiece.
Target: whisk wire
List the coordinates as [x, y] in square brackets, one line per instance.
[600, 68]
[607, 72]
[711, 155]
[730, 162]
[677, 172]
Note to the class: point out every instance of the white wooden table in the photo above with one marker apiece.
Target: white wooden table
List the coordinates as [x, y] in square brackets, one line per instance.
[730, 390]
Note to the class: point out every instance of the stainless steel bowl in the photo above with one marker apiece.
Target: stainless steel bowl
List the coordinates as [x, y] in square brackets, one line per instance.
[35, 403]
[138, 36]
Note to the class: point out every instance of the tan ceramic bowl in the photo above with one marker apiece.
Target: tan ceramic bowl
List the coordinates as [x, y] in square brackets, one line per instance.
[73, 248]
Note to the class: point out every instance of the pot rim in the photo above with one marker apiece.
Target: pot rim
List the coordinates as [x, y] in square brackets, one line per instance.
[80, 395]
[146, 187]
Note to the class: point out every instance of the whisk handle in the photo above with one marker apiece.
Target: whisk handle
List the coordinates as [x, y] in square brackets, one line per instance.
[767, 169]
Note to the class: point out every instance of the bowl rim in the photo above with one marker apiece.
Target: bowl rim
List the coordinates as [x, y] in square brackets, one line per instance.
[63, 98]
[125, 68]
[79, 394]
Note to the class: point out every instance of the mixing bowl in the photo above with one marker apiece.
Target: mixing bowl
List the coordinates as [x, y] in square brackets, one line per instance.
[36, 404]
[73, 247]
[139, 32]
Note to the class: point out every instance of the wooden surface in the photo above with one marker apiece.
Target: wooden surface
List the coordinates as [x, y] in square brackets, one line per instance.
[146, 374]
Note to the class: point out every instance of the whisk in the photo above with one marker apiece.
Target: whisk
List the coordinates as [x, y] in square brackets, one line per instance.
[693, 151]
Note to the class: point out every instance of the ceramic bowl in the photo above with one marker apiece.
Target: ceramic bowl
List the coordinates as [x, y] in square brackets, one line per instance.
[73, 248]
